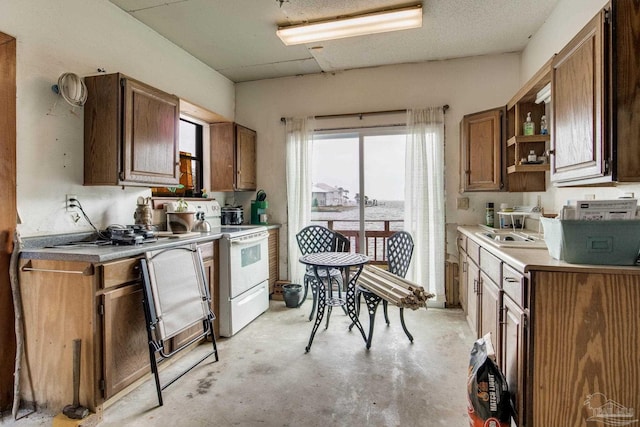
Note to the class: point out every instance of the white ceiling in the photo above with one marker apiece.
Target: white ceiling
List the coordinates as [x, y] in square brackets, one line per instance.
[237, 37]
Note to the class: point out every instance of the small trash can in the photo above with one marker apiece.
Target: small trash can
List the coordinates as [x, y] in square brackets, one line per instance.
[291, 294]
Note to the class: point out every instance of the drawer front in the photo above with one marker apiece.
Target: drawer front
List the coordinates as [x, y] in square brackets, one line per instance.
[206, 250]
[473, 250]
[119, 272]
[491, 265]
[514, 284]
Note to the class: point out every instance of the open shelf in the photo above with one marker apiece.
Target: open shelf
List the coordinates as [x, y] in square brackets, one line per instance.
[521, 139]
[527, 177]
[528, 168]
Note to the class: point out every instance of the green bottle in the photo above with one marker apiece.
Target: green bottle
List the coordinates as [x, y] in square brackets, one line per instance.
[528, 127]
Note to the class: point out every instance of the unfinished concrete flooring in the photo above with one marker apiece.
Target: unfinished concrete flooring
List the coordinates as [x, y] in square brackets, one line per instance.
[264, 377]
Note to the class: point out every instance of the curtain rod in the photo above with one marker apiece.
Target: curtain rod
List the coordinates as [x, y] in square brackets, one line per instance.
[361, 115]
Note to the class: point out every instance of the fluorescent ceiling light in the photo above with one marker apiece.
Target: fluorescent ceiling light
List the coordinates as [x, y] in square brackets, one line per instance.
[371, 23]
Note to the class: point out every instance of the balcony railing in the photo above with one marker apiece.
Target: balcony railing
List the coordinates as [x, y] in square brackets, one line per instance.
[376, 234]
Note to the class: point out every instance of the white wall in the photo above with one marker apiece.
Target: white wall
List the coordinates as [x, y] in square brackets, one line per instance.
[79, 36]
[563, 24]
[467, 85]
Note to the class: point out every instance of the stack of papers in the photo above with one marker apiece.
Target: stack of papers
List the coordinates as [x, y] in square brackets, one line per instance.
[601, 210]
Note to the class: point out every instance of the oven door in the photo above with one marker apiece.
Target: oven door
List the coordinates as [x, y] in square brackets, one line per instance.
[248, 262]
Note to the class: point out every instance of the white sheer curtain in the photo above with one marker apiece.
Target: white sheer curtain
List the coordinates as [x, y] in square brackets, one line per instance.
[299, 134]
[424, 198]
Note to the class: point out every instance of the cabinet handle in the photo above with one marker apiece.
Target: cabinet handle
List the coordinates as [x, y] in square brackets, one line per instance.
[86, 272]
[464, 266]
[552, 152]
[511, 280]
[502, 316]
[475, 286]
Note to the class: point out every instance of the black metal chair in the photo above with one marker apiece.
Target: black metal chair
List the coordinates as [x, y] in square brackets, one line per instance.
[399, 253]
[313, 239]
[176, 298]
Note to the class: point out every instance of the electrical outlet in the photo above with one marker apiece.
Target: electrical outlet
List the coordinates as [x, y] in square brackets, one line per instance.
[70, 205]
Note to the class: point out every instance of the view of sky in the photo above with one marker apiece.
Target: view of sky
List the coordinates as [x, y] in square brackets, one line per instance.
[335, 162]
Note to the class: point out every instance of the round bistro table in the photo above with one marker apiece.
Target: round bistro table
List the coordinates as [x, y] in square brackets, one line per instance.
[345, 262]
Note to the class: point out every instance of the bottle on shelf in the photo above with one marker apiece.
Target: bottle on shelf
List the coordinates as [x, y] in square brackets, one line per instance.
[532, 158]
[528, 127]
[543, 126]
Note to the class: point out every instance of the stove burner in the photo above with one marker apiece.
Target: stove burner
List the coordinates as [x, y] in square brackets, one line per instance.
[131, 235]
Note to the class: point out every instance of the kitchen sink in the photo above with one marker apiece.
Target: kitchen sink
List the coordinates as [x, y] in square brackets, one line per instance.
[512, 239]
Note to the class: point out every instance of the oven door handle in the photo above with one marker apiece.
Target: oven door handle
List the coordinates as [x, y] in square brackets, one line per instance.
[243, 241]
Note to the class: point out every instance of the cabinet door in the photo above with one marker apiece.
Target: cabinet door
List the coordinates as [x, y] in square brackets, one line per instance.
[150, 135]
[625, 79]
[578, 131]
[222, 157]
[514, 350]
[490, 303]
[463, 280]
[481, 151]
[125, 340]
[245, 158]
[473, 285]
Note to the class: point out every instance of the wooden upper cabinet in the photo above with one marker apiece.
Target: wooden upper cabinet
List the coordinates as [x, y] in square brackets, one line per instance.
[245, 158]
[130, 133]
[624, 96]
[481, 156]
[578, 139]
[596, 105]
[233, 157]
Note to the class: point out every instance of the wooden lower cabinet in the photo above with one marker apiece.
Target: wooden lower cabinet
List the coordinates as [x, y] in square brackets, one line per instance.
[274, 256]
[566, 339]
[513, 353]
[463, 267]
[473, 282]
[490, 305]
[100, 304]
[59, 306]
[584, 355]
[125, 349]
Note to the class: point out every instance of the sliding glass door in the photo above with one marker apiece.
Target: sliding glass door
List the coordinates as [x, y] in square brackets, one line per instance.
[358, 186]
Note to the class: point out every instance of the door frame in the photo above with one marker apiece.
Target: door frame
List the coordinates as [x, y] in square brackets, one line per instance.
[8, 212]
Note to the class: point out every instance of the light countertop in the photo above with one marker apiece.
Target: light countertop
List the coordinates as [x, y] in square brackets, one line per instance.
[98, 254]
[529, 259]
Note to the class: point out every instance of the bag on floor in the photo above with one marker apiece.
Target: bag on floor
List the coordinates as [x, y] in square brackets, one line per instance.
[489, 403]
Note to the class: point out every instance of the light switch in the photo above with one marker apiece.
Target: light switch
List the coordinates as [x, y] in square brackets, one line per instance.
[463, 203]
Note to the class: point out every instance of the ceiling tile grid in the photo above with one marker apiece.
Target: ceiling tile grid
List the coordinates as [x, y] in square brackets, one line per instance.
[237, 37]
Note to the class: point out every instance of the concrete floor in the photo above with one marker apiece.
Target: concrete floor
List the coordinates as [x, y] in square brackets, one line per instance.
[264, 378]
